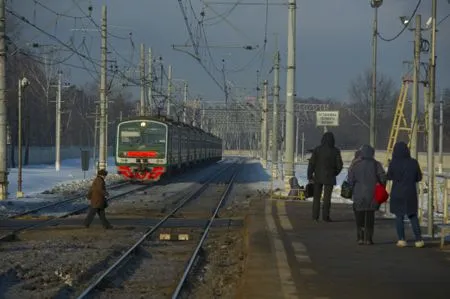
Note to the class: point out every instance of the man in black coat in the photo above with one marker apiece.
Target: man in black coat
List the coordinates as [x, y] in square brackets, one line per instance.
[324, 165]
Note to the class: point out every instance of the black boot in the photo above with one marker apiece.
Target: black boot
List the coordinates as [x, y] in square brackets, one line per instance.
[369, 236]
[360, 236]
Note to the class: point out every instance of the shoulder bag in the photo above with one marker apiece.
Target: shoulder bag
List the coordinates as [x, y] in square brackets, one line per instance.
[380, 195]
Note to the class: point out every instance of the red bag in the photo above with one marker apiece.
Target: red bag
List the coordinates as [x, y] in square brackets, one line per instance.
[381, 195]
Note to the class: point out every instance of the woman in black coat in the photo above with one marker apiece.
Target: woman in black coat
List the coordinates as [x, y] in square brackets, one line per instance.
[405, 173]
[364, 174]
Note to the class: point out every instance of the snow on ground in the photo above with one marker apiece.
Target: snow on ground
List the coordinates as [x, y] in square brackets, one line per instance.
[42, 183]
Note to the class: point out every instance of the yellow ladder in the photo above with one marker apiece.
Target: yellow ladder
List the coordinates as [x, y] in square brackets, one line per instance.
[399, 122]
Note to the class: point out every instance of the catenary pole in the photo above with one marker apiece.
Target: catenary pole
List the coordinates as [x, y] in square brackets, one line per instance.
[290, 93]
[103, 116]
[3, 109]
[276, 99]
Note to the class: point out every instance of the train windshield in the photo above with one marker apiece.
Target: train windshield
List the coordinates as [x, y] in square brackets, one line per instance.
[142, 136]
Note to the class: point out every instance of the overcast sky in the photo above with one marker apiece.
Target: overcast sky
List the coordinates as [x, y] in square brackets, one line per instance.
[333, 39]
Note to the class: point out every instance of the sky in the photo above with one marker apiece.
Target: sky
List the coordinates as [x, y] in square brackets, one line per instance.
[333, 40]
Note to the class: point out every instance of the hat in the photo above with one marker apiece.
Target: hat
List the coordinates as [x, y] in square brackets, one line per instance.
[102, 172]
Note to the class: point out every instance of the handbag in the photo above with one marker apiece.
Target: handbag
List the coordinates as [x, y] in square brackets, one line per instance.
[346, 190]
[380, 195]
[309, 190]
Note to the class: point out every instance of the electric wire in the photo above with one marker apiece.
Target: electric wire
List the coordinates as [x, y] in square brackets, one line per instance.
[77, 52]
[404, 26]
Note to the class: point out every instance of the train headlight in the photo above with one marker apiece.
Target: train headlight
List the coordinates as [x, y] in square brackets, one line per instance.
[143, 124]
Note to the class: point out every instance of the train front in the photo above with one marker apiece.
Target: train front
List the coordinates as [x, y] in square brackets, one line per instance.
[141, 150]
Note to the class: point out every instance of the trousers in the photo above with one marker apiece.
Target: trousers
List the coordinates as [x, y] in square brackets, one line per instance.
[365, 223]
[101, 214]
[327, 190]
[401, 226]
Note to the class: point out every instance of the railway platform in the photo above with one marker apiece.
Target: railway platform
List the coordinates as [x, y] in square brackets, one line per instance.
[290, 256]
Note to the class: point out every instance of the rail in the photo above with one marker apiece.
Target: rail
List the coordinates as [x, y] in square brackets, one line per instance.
[10, 235]
[203, 238]
[150, 232]
[53, 204]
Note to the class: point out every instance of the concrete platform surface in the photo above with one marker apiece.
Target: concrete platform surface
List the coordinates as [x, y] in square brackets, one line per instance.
[290, 256]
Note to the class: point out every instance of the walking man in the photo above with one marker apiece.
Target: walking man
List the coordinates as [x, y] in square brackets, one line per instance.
[97, 195]
[324, 165]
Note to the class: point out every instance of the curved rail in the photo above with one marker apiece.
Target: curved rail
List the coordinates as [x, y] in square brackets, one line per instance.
[149, 232]
[74, 198]
[204, 236]
[13, 233]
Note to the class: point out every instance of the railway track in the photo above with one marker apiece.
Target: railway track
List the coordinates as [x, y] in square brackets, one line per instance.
[127, 257]
[11, 235]
[59, 203]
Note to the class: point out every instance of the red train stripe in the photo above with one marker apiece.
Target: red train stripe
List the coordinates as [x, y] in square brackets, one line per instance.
[135, 154]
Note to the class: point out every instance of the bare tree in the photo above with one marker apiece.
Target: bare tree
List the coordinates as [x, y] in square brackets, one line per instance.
[387, 94]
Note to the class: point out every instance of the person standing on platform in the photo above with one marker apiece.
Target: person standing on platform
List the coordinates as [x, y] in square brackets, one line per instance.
[323, 167]
[356, 158]
[97, 195]
[405, 173]
[364, 174]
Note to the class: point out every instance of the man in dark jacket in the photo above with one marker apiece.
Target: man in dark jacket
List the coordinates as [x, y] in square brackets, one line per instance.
[324, 165]
[97, 195]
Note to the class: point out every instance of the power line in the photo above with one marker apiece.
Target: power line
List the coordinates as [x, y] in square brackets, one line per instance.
[404, 27]
[76, 51]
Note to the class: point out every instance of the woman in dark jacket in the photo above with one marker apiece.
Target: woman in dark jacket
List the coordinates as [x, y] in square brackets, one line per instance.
[356, 158]
[364, 174]
[405, 173]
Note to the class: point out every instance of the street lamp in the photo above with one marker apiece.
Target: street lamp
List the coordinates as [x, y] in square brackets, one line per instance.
[23, 82]
[373, 105]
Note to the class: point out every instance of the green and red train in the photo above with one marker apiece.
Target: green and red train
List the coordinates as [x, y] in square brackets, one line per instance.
[149, 147]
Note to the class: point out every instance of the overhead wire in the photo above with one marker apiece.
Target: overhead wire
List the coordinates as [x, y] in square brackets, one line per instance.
[129, 61]
[405, 26]
[54, 22]
[59, 41]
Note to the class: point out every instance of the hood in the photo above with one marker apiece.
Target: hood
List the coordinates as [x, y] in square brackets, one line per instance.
[401, 150]
[328, 139]
[357, 154]
[367, 152]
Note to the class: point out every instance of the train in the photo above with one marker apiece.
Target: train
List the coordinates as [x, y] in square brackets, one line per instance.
[148, 148]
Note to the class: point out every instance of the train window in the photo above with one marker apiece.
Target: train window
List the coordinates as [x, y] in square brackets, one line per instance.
[134, 135]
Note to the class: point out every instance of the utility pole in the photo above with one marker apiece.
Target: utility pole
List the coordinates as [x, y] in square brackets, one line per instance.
[103, 148]
[290, 94]
[373, 103]
[150, 81]
[143, 110]
[169, 91]
[431, 100]
[303, 146]
[58, 124]
[264, 127]
[441, 131]
[276, 99]
[258, 103]
[96, 126]
[19, 140]
[296, 138]
[185, 101]
[3, 110]
[415, 91]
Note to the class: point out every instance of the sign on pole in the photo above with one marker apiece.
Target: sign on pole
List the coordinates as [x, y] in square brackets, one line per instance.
[327, 118]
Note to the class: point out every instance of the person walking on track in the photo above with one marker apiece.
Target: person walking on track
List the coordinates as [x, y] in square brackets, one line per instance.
[97, 195]
[364, 174]
[405, 173]
[323, 167]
